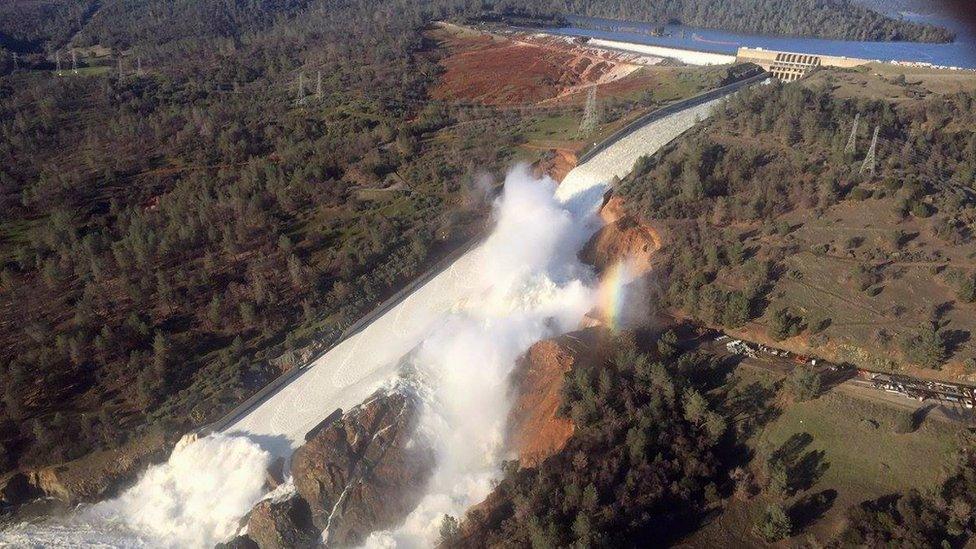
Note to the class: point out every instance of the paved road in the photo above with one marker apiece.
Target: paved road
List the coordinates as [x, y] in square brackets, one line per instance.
[847, 381]
[355, 368]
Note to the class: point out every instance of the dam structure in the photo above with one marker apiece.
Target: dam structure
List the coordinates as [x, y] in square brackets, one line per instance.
[354, 369]
[789, 66]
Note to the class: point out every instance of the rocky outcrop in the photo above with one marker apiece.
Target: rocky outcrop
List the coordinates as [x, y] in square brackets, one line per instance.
[357, 474]
[16, 489]
[535, 428]
[282, 524]
[92, 478]
[362, 473]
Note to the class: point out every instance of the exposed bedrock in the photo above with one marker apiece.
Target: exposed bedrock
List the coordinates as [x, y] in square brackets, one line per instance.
[361, 473]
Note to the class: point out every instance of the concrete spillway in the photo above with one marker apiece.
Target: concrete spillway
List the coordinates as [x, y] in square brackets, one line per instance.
[350, 372]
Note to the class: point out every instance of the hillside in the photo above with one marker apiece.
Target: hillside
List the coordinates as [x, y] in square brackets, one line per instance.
[838, 19]
[166, 233]
[173, 239]
[775, 232]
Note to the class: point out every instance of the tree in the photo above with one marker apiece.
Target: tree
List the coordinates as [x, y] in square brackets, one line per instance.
[782, 324]
[296, 270]
[449, 530]
[774, 524]
[736, 312]
[803, 383]
[667, 344]
[925, 347]
[967, 289]
[160, 354]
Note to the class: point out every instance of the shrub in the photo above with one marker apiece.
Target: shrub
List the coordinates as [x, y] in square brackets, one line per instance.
[967, 289]
[922, 209]
[905, 423]
[774, 524]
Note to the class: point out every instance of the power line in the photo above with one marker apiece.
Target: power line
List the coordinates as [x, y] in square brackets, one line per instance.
[870, 160]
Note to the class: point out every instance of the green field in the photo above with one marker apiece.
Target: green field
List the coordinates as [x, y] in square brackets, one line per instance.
[845, 450]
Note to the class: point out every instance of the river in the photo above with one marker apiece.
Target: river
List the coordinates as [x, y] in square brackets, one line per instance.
[960, 53]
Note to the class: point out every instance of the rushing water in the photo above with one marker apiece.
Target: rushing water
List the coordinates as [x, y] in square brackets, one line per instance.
[960, 53]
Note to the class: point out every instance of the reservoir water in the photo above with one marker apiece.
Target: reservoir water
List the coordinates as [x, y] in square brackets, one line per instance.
[960, 53]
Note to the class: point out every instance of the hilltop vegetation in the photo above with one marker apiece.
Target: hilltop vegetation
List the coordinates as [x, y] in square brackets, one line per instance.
[38, 25]
[642, 463]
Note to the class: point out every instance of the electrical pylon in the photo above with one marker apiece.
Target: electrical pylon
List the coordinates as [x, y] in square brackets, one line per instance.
[588, 124]
[852, 140]
[318, 86]
[57, 61]
[301, 89]
[74, 61]
[869, 160]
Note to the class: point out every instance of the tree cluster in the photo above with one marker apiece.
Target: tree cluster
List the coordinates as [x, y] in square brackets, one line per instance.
[642, 464]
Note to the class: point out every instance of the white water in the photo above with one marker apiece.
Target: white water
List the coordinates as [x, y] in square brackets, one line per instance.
[532, 286]
[470, 322]
[195, 499]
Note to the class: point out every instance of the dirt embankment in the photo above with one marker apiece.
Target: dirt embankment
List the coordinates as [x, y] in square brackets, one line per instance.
[555, 163]
[622, 238]
[500, 70]
[536, 429]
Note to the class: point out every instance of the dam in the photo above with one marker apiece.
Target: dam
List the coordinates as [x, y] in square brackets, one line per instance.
[790, 66]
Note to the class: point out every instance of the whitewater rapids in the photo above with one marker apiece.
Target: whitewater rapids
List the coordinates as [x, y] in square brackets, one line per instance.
[462, 331]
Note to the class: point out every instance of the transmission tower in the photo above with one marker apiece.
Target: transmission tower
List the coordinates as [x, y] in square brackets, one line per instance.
[16, 62]
[588, 124]
[869, 160]
[57, 61]
[318, 86]
[301, 89]
[852, 140]
[74, 61]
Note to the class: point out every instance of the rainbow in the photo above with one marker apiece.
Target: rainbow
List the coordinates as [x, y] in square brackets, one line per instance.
[612, 294]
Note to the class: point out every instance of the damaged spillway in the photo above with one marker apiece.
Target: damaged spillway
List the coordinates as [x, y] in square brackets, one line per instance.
[449, 346]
